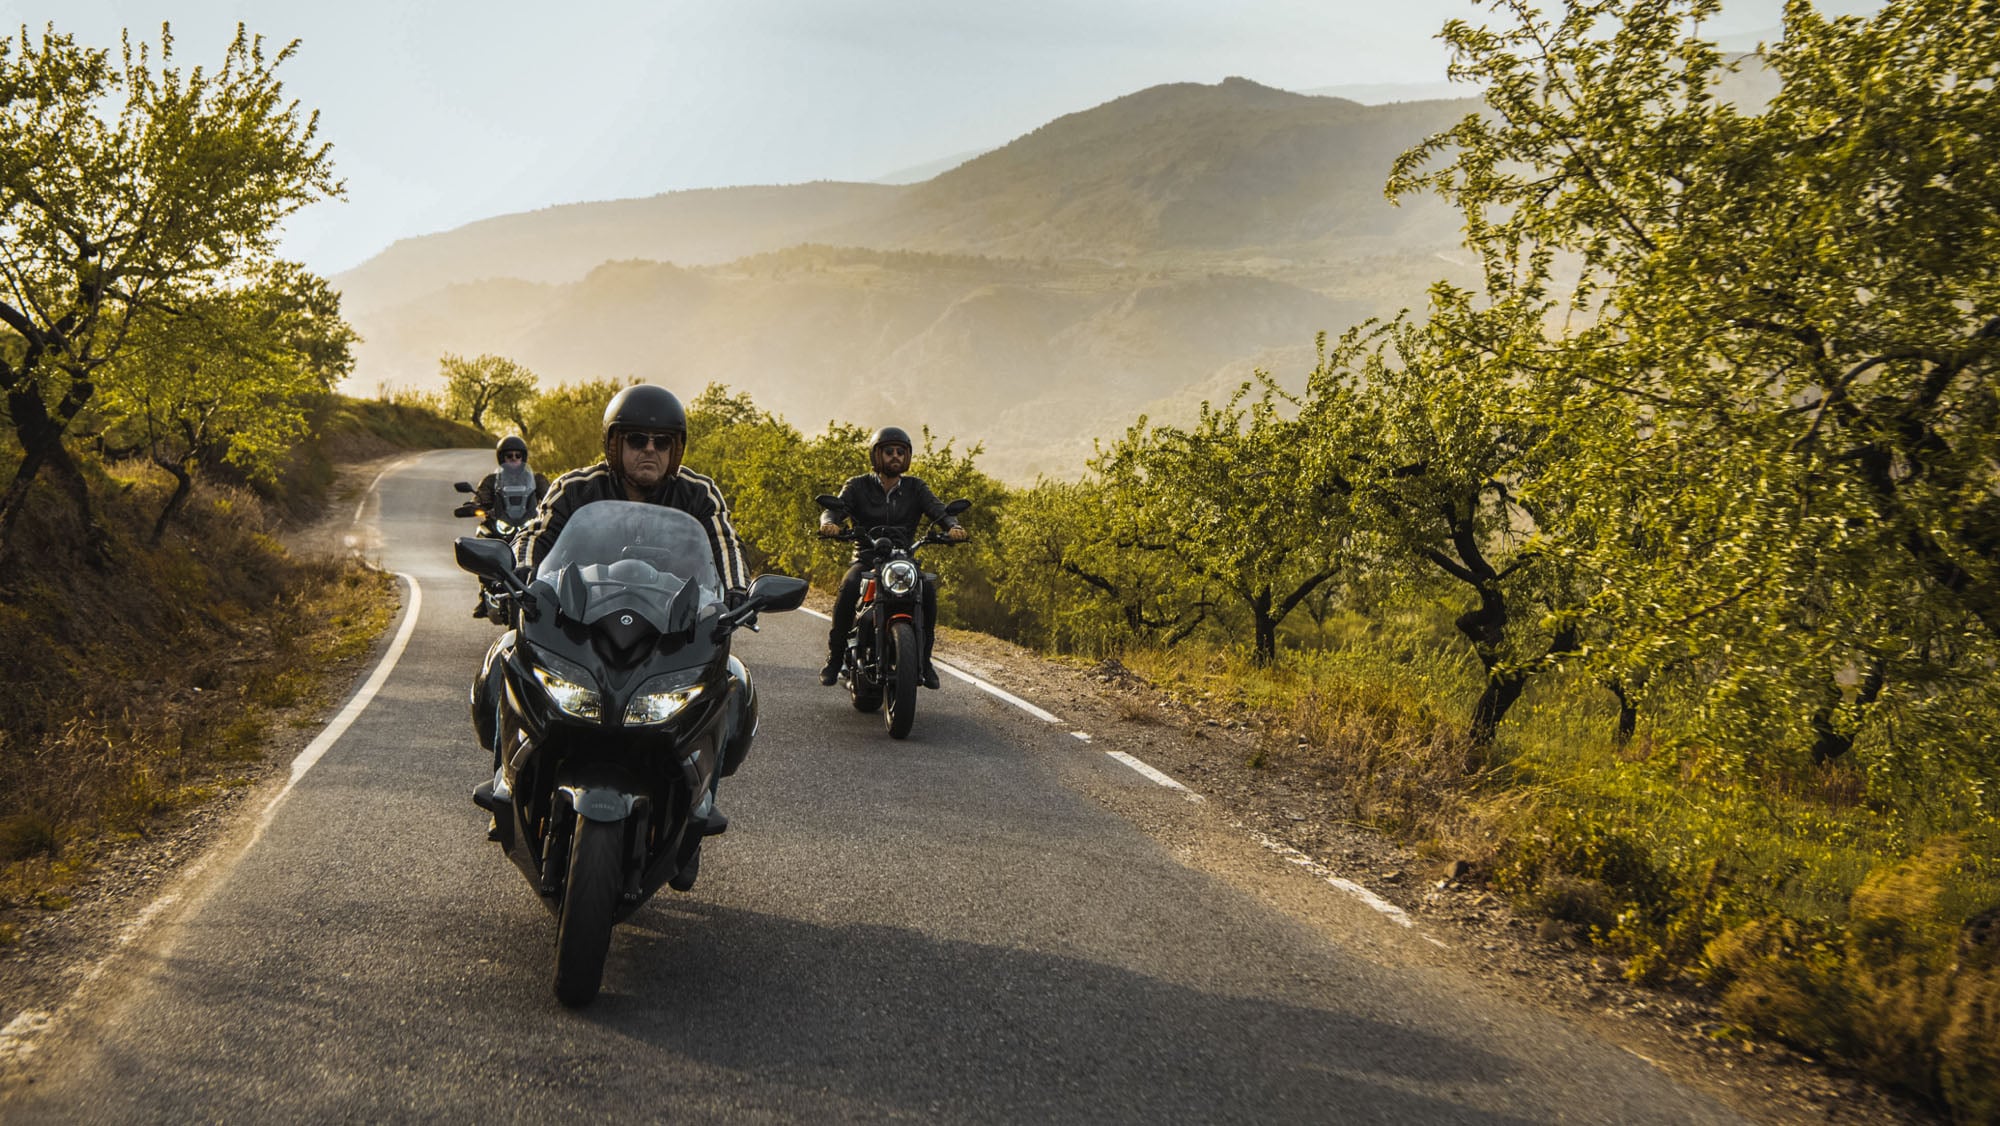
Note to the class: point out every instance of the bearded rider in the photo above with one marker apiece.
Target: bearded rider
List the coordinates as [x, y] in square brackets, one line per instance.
[510, 493]
[885, 498]
[645, 434]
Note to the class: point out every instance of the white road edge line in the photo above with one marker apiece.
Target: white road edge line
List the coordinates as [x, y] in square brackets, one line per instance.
[370, 491]
[1156, 775]
[356, 704]
[17, 1039]
[1395, 914]
[967, 677]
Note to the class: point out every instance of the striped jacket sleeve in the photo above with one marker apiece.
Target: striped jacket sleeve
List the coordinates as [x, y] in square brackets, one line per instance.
[564, 496]
[728, 549]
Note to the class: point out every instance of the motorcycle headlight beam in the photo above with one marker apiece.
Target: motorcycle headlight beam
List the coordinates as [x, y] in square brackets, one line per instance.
[572, 698]
[900, 576]
[663, 697]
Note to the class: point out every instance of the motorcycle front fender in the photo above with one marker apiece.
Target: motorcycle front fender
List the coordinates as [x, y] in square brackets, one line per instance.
[599, 795]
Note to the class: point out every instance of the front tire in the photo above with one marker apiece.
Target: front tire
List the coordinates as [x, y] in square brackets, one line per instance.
[908, 659]
[583, 934]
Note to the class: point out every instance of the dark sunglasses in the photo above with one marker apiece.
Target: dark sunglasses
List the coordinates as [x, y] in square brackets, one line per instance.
[514, 457]
[636, 440]
[898, 451]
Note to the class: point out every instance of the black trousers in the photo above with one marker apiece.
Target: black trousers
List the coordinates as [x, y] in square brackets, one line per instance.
[849, 598]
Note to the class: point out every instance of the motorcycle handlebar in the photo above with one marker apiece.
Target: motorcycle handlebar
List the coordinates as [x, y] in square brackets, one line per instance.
[885, 543]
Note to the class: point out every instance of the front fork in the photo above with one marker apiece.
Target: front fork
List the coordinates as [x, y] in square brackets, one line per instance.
[881, 617]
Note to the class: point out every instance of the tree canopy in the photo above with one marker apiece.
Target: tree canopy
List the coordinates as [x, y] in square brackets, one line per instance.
[127, 187]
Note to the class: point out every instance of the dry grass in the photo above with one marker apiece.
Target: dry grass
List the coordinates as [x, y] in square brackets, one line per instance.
[145, 686]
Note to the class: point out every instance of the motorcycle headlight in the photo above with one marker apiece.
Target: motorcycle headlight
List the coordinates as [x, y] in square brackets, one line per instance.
[900, 576]
[663, 697]
[503, 527]
[572, 697]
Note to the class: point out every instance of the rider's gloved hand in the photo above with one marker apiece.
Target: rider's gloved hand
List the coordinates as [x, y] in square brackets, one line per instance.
[829, 531]
[734, 598]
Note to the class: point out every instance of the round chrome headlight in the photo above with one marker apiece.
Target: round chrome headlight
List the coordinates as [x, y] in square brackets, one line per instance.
[900, 576]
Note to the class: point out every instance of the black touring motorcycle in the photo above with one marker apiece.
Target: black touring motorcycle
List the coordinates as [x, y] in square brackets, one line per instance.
[504, 522]
[884, 659]
[612, 708]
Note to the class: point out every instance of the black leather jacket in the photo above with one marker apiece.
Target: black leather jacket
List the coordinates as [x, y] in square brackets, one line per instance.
[869, 506]
[687, 490]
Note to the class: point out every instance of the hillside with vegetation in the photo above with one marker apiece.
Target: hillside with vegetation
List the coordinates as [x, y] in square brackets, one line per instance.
[1655, 572]
[1652, 567]
[169, 405]
[1129, 258]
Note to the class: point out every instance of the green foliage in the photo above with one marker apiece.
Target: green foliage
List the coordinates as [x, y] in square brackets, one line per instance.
[1071, 591]
[1238, 503]
[771, 474]
[1445, 461]
[765, 469]
[1785, 345]
[564, 426]
[1883, 990]
[487, 383]
[125, 187]
[228, 377]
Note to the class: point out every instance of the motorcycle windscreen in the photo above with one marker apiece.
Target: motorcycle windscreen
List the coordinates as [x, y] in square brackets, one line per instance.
[621, 557]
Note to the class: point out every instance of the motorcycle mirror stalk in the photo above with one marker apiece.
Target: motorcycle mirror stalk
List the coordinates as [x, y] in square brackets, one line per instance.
[462, 486]
[768, 592]
[492, 559]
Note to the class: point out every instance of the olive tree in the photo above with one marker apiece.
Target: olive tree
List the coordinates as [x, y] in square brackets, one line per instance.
[126, 185]
[227, 378]
[1237, 500]
[1787, 317]
[487, 383]
[1434, 434]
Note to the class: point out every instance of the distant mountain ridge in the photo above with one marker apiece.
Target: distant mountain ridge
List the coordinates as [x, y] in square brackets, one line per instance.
[1132, 256]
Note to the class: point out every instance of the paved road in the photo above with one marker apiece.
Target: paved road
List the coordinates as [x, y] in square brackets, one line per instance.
[985, 923]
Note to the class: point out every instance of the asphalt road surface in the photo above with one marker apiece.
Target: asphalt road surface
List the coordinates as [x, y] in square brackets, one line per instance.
[987, 922]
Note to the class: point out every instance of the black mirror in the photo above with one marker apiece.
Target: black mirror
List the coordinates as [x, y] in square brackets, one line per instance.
[956, 507]
[829, 501]
[487, 558]
[777, 592]
[462, 486]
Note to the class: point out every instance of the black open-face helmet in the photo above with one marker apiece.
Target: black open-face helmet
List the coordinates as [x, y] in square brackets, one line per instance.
[649, 409]
[512, 443]
[889, 436]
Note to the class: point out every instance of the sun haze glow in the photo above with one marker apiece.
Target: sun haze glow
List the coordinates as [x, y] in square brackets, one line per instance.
[444, 113]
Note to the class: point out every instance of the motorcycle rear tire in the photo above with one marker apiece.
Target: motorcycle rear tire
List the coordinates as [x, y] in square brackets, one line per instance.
[583, 934]
[908, 659]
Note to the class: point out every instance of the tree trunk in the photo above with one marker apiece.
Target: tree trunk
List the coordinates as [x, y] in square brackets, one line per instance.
[1266, 628]
[1830, 744]
[183, 485]
[1503, 691]
[41, 445]
[1628, 715]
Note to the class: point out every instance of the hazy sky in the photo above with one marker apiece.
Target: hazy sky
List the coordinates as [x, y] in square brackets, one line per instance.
[445, 111]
